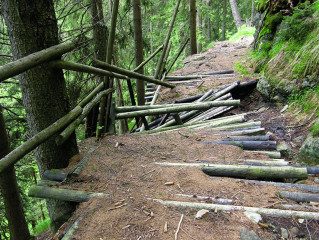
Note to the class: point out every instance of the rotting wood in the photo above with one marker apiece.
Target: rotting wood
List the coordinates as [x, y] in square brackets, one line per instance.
[62, 194]
[131, 74]
[299, 197]
[262, 211]
[272, 154]
[19, 66]
[249, 145]
[39, 138]
[55, 175]
[84, 68]
[209, 199]
[67, 132]
[69, 234]
[303, 187]
[175, 108]
[76, 171]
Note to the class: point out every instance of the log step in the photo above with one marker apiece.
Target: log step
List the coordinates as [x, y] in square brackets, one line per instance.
[248, 145]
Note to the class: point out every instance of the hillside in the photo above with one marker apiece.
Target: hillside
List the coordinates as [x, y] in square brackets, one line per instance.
[124, 167]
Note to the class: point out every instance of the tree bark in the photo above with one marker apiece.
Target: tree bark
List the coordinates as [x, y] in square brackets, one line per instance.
[32, 26]
[192, 26]
[300, 197]
[199, 25]
[99, 42]
[138, 40]
[10, 192]
[224, 20]
[236, 13]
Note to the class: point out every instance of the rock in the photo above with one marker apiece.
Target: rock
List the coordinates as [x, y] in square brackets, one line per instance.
[309, 151]
[201, 214]
[294, 231]
[284, 149]
[245, 234]
[284, 233]
[255, 217]
[299, 139]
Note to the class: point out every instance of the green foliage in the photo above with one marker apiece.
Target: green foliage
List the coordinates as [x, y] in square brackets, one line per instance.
[240, 67]
[243, 31]
[307, 100]
[315, 130]
[41, 227]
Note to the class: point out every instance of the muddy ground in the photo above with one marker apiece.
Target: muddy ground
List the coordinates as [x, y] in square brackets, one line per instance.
[124, 167]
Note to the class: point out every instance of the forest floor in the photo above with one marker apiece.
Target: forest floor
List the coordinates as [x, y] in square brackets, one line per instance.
[123, 166]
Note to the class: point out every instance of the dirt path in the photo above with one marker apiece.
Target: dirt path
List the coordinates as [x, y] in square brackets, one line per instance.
[124, 167]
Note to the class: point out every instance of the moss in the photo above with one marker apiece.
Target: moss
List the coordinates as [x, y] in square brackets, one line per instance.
[271, 23]
[315, 130]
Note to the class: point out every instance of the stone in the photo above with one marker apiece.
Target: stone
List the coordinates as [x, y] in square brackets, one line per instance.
[309, 151]
[284, 149]
[255, 217]
[201, 214]
[245, 234]
[299, 139]
[294, 231]
[284, 233]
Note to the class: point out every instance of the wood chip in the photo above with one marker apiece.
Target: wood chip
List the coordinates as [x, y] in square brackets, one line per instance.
[263, 225]
[169, 183]
[165, 227]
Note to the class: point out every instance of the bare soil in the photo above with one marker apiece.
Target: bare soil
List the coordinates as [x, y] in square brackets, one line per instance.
[124, 167]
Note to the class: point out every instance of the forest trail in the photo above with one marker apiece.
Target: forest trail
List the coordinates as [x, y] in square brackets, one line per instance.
[125, 168]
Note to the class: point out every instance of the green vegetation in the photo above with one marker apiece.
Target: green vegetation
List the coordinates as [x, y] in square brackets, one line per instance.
[41, 227]
[243, 31]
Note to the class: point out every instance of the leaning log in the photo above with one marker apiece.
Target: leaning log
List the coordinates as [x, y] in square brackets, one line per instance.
[130, 74]
[249, 145]
[256, 171]
[91, 95]
[67, 132]
[39, 138]
[177, 108]
[84, 68]
[62, 194]
[148, 59]
[262, 211]
[177, 56]
[299, 197]
[19, 66]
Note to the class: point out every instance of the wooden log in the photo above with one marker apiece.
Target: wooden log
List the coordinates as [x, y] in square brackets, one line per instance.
[272, 154]
[189, 99]
[211, 123]
[299, 197]
[265, 162]
[62, 194]
[19, 66]
[84, 68]
[302, 187]
[175, 108]
[244, 89]
[255, 131]
[256, 171]
[178, 119]
[44, 182]
[209, 199]
[262, 211]
[55, 175]
[249, 145]
[149, 93]
[252, 138]
[67, 132]
[182, 78]
[130, 74]
[148, 59]
[39, 138]
[239, 126]
[76, 171]
[139, 108]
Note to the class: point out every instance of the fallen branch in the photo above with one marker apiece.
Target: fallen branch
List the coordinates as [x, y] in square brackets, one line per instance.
[211, 199]
[179, 225]
[262, 211]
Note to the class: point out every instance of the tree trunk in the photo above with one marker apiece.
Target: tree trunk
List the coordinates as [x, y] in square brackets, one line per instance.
[224, 20]
[138, 39]
[192, 26]
[10, 192]
[99, 42]
[236, 13]
[300, 197]
[199, 25]
[32, 26]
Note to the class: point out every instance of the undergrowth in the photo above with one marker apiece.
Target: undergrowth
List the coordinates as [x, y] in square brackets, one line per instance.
[41, 227]
[242, 31]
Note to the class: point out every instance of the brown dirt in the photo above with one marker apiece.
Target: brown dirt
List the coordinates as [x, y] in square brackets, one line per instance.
[123, 166]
